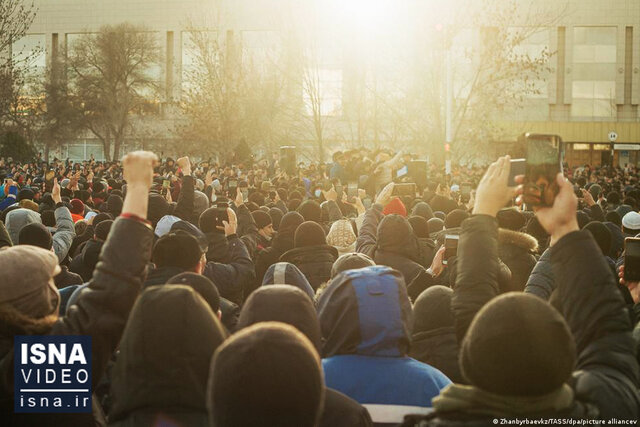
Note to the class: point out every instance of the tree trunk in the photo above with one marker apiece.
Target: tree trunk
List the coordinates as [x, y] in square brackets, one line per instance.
[117, 143]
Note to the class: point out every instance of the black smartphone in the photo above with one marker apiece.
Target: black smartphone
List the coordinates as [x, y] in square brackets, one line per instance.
[632, 259]
[407, 189]
[450, 247]
[544, 162]
[221, 213]
[518, 167]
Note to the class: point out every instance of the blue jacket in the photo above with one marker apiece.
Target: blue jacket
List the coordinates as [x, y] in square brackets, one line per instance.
[365, 319]
[11, 198]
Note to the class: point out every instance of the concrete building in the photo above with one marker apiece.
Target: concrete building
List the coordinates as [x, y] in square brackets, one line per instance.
[591, 90]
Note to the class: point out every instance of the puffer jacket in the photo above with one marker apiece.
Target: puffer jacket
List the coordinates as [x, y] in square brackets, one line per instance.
[315, 262]
[605, 379]
[101, 312]
[516, 250]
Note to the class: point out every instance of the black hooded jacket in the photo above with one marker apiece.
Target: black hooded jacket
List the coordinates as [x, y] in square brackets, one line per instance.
[162, 369]
[315, 262]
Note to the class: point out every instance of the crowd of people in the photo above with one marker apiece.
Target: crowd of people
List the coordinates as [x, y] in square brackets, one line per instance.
[322, 294]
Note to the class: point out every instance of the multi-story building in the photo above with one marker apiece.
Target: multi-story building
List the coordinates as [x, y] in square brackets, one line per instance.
[591, 90]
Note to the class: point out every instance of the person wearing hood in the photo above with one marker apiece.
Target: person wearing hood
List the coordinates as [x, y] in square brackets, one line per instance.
[29, 301]
[86, 261]
[342, 236]
[284, 273]
[311, 254]
[160, 375]
[427, 246]
[65, 230]
[515, 248]
[433, 339]
[265, 305]
[268, 374]
[365, 318]
[389, 240]
[580, 360]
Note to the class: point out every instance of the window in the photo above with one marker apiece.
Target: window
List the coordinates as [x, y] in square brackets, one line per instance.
[594, 72]
[580, 147]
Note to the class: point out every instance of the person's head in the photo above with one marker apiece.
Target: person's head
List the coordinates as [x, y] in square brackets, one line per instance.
[203, 287]
[420, 226]
[285, 273]
[179, 249]
[77, 207]
[48, 218]
[276, 215]
[614, 217]
[35, 234]
[422, 209]
[264, 223]
[342, 237]
[513, 331]
[395, 206]
[310, 211]
[613, 198]
[102, 230]
[601, 234]
[432, 310]
[266, 374]
[511, 219]
[209, 219]
[309, 233]
[350, 305]
[454, 218]
[29, 299]
[435, 225]
[631, 223]
[350, 261]
[165, 352]
[396, 235]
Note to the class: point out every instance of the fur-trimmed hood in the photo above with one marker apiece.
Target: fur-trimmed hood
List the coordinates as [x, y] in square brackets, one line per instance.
[517, 238]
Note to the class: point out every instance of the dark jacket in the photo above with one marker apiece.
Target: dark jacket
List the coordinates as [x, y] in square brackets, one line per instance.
[84, 263]
[516, 250]
[315, 262]
[232, 277]
[391, 243]
[428, 250]
[66, 278]
[162, 369]
[282, 242]
[605, 380]
[101, 312]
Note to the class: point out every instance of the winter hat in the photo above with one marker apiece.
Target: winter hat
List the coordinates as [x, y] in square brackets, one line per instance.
[422, 209]
[200, 203]
[276, 215]
[265, 304]
[266, 356]
[395, 206]
[27, 286]
[26, 194]
[77, 207]
[631, 221]
[309, 233]
[454, 218]
[261, 218]
[29, 204]
[192, 230]
[518, 345]
[342, 237]
[394, 233]
[114, 205]
[102, 229]
[601, 234]
[291, 220]
[164, 225]
[432, 309]
[202, 285]
[18, 218]
[310, 211]
[614, 218]
[35, 234]
[440, 214]
[285, 273]
[158, 207]
[350, 261]
[511, 219]
[622, 210]
[435, 225]
[420, 226]
[177, 249]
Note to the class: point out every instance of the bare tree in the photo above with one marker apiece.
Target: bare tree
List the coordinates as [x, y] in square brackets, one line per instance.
[110, 74]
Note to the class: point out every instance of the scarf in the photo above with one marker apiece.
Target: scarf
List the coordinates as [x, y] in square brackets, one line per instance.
[472, 400]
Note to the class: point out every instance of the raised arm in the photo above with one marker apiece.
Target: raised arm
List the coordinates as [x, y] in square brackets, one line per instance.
[103, 307]
[368, 233]
[185, 204]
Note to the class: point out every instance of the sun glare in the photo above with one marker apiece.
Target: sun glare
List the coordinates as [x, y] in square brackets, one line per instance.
[365, 17]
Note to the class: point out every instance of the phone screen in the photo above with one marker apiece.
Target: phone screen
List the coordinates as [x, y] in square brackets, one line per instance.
[518, 167]
[166, 183]
[544, 161]
[632, 259]
[402, 171]
[450, 247]
[404, 189]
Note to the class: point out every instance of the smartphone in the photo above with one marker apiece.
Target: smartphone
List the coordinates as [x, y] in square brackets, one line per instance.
[465, 191]
[221, 214]
[317, 193]
[352, 192]
[166, 183]
[632, 259]
[408, 189]
[544, 162]
[366, 202]
[518, 167]
[402, 171]
[450, 247]
[245, 194]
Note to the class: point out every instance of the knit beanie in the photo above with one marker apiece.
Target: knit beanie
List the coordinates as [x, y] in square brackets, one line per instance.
[268, 356]
[202, 285]
[420, 226]
[291, 220]
[114, 205]
[432, 309]
[35, 234]
[342, 237]
[158, 207]
[102, 229]
[518, 345]
[309, 233]
[435, 225]
[350, 261]
[177, 249]
[25, 194]
[77, 207]
[395, 206]
[310, 211]
[511, 219]
[601, 234]
[454, 218]
[261, 218]
[276, 216]
[422, 209]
